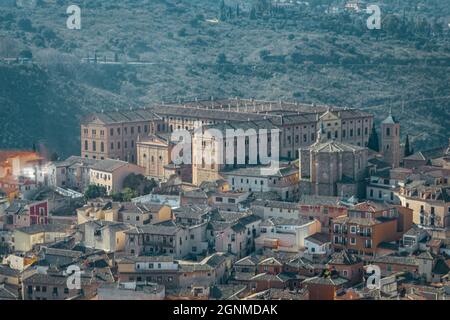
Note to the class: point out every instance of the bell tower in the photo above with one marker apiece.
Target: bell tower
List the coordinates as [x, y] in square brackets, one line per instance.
[390, 141]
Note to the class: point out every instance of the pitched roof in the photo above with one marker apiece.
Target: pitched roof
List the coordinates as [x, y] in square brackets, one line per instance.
[119, 116]
[393, 259]
[9, 292]
[390, 120]
[267, 277]
[332, 281]
[248, 260]
[226, 292]
[319, 238]
[109, 165]
[319, 200]
[160, 229]
[38, 228]
[334, 146]
[275, 204]
[343, 257]
[270, 261]
[146, 259]
[251, 218]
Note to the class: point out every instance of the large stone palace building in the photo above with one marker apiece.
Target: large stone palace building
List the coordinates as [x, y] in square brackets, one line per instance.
[114, 134]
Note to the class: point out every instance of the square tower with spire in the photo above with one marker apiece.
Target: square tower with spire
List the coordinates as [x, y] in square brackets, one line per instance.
[390, 140]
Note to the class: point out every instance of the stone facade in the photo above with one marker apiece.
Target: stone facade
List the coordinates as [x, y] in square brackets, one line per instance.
[332, 168]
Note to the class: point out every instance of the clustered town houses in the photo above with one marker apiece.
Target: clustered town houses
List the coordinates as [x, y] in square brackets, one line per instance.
[139, 225]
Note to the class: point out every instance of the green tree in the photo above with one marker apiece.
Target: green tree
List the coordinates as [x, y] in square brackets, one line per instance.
[264, 54]
[373, 140]
[263, 6]
[117, 196]
[221, 58]
[253, 13]
[139, 184]
[94, 191]
[182, 32]
[54, 156]
[408, 149]
[222, 10]
[149, 186]
[128, 194]
[25, 25]
[26, 54]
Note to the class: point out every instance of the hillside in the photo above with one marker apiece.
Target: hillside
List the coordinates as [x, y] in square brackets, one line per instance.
[203, 48]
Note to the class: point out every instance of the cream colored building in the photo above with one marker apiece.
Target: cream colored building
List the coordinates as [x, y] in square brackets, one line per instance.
[111, 174]
[210, 148]
[105, 235]
[98, 209]
[153, 154]
[286, 234]
[113, 135]
[430, 204]
[283, 181]
[26, 238]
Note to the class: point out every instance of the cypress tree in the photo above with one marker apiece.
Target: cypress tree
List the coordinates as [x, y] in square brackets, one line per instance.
[373, 143]
[408, 150]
